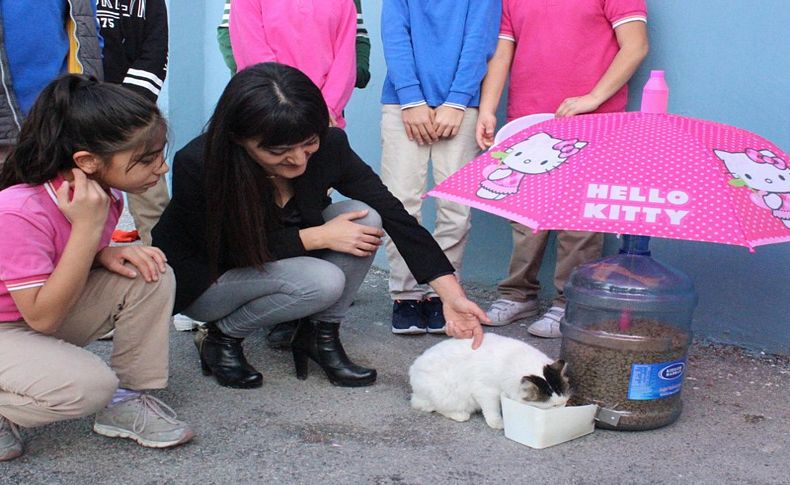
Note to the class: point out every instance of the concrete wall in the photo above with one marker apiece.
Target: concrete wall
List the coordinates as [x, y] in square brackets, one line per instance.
[726, 60]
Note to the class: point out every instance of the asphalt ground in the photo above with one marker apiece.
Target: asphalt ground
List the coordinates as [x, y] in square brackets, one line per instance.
[735, 426]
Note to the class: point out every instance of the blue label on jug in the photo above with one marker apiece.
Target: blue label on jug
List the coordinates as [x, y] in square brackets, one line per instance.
[654, 381]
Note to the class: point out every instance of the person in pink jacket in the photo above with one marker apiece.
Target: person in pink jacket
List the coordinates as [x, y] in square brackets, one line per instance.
[315, 36]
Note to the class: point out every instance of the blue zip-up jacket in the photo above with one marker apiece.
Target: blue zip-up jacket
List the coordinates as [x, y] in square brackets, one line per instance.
[437, 50]
[38, 42]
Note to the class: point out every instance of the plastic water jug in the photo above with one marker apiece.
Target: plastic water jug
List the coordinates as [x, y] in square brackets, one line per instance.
[625, 337]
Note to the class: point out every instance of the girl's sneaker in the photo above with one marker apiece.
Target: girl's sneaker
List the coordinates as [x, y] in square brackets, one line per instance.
[548, 326]
[434, 317]
[504, 312]
[145, 419]
[10, 440]
[407, 318]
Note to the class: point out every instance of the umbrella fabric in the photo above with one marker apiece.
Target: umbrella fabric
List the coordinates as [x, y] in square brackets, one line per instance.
[650, 174]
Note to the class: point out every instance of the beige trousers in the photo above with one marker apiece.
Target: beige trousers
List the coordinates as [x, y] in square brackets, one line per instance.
[573, 248]
[147, 208]
[47, 378]
[404, 170]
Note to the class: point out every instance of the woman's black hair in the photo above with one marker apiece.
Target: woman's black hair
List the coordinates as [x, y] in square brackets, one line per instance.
[274, 105]
[75, 113]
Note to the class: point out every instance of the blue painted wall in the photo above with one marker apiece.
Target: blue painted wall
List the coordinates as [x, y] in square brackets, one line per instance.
[726, 60]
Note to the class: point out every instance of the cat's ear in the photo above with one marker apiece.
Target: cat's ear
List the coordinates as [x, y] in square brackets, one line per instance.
[530, 390]
[560, 366]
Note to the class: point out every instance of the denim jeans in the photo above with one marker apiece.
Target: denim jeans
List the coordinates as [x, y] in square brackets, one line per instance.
[321, 286]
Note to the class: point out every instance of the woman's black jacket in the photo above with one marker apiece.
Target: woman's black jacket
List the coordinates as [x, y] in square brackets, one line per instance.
[180, 232]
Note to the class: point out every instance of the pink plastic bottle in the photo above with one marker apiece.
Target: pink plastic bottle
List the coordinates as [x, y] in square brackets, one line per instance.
[655, 94]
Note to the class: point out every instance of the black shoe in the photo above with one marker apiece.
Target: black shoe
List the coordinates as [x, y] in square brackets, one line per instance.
[320, 341]
[434, 316]
[280, 335]
[223, 357]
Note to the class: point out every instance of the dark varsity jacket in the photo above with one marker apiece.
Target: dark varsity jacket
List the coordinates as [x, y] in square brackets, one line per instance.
[135, 43]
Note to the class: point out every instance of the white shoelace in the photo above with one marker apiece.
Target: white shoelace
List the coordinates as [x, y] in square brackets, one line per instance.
[155, 406]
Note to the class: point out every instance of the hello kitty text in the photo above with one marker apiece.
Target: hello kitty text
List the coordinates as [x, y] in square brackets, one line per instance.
[658, 212]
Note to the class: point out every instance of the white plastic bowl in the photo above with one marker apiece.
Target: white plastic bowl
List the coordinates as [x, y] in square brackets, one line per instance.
[541, 428]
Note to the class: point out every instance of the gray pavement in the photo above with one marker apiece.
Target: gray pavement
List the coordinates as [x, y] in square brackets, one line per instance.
[735, 427]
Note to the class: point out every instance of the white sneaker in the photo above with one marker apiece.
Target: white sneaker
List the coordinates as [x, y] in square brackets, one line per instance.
[10, 441]
[504, 312]
[183, 323]
[146, 420]
[548, 326]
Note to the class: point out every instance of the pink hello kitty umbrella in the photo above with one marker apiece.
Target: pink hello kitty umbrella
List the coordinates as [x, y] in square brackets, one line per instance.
[649, 174]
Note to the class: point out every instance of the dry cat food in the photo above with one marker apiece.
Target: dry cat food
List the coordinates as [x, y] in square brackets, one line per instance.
[637, 373]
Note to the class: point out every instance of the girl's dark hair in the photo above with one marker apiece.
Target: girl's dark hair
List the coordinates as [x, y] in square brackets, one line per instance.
[274, 105]
[75, 113]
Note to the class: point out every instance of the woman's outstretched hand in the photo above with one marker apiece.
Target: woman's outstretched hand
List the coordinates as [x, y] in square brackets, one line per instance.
[463, 316]
[463, 320]
[343, 235]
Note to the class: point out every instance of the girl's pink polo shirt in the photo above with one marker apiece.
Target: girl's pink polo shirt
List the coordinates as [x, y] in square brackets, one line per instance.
[563, 47]
[34, 235]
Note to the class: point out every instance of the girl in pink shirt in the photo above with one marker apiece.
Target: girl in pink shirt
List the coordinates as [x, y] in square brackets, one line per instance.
[62, 286]
[315, 36]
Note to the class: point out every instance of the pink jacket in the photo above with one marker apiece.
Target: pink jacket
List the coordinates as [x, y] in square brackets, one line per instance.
[314, 36]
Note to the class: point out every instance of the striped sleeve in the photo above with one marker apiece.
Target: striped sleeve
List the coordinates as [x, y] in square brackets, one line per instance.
[225, 23]
[362, 45]
[26, 283]
[147, 73]
[619, 12]
[505, 24]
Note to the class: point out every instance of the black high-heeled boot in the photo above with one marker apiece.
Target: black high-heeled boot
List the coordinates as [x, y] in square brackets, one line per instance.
[280, 335]
[320, 341]
[223, 356]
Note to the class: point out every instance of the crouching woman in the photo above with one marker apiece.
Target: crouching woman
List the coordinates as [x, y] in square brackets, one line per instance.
[255, 241]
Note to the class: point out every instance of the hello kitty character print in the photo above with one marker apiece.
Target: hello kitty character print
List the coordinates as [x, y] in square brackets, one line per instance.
[538, 154]
[765, 173]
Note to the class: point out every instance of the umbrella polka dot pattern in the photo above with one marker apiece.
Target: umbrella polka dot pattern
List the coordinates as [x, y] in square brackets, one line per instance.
[650, 174]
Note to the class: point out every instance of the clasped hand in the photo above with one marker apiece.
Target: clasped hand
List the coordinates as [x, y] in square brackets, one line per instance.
[426, 125]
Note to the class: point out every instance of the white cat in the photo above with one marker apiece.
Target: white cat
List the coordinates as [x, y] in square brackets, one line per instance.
[456, 381]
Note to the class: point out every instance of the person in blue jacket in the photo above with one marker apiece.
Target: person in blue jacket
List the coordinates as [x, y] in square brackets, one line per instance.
[436, 54]
[37, 44]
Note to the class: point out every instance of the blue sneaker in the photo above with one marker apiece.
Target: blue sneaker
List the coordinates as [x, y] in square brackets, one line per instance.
[432, 310]
[407, 318]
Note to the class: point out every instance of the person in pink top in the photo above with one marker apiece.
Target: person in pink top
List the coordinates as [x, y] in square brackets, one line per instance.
[318, 37]
[62, 285]
[565, 57]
